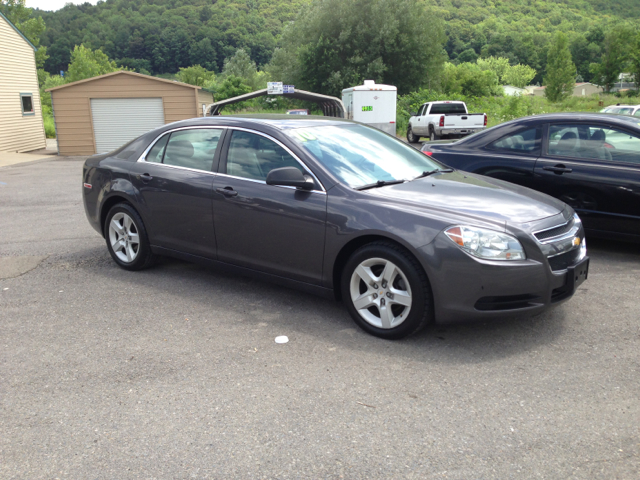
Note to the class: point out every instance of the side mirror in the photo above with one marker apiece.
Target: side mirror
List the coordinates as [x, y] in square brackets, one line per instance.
[290, 177]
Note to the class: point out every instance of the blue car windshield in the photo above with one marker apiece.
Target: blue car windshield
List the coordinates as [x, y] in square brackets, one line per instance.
[358, 155]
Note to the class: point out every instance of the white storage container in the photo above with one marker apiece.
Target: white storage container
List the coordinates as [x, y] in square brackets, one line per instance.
[373, 104]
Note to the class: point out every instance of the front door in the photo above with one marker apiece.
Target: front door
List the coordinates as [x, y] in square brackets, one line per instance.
[595, 169]
[174, 183]
[277, 230]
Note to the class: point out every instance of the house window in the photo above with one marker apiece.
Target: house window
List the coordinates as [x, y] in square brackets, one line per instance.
[26, 100]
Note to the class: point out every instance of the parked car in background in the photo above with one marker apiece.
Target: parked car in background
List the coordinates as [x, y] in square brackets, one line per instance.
[298, 111]
[339, 209]
[590, 161]
[622, 109]
[444, 119]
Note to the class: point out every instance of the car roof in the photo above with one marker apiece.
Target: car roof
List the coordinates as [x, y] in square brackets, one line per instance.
[278, 121]
[578, 116]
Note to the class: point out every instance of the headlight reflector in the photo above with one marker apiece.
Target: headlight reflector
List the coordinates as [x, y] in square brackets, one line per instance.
[487, 244]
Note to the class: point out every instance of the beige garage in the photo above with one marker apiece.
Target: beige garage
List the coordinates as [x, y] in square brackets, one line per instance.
[100, 114]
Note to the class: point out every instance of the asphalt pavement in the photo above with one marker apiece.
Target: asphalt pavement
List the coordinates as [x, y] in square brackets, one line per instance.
[173, 372]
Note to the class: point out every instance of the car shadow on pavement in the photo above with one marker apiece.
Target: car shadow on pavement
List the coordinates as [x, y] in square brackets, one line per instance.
[253, 303]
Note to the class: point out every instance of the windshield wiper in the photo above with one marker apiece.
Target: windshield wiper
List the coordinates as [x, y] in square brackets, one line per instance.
[431, 172]
[379, 183]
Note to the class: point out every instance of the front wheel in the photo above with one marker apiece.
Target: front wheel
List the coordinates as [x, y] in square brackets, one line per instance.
[411, 137]
[126, 238]
[386, 291]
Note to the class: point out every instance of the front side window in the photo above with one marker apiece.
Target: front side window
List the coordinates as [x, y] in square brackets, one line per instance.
[26, 100]
[594, 142]
[524, 141]
[359, 155]
[254, 156]
[193, 148]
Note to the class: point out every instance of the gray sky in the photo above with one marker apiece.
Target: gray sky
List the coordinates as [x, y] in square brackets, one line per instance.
[55, 4]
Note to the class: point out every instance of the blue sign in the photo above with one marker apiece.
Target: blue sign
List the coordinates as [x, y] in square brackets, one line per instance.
[288, 89]
[62, 73]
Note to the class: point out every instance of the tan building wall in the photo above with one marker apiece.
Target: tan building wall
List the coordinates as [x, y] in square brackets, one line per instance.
[580, 90]
[72, 105]
[18, 132]
[204, 99]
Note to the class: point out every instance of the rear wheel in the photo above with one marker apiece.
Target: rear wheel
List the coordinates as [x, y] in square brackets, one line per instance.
[386, 291]
[432, 135]
[411, 137]
[126, 238]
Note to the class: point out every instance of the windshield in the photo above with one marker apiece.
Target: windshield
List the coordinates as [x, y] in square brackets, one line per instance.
[360, 155]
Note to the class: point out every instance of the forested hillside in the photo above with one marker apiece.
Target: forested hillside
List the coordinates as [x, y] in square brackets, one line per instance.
[159, 36]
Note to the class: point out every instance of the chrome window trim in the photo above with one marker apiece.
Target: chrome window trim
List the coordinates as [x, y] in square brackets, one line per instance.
[320, 192]
[143, 157]
[288, 150]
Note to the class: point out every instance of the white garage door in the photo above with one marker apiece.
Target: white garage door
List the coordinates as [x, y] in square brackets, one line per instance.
[118, 120]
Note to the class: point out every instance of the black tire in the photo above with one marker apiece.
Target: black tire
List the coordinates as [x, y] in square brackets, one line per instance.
[411, 137]
[432, 135]
[144, 257]
[421, 310]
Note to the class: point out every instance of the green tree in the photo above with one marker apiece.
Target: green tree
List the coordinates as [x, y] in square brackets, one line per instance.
[241, 66]
[195, 75]
[334, 44]
[469, 79]
[498, 65]
[634, 59]
[561, 71]
[518, 75]
[87, 63]
[614, 57]
[231, 87]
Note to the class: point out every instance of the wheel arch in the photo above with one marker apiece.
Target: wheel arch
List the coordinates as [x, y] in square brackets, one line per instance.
[108, 204]
[354, 244]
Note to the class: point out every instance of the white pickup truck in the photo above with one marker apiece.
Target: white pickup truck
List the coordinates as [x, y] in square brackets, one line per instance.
[444, 119]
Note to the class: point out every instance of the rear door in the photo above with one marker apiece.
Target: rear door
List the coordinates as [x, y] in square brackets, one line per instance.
[511, 157]
[595, 168]
[174, 181]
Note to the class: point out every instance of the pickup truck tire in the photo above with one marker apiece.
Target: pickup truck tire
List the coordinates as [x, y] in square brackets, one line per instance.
[432, 135]
[411, 137]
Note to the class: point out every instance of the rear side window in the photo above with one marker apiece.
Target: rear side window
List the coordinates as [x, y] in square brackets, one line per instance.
[157, 152]
[447, 108]
[524, 141]
[194, 148]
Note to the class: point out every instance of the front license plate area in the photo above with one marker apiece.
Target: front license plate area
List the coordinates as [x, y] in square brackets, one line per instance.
[581, 272]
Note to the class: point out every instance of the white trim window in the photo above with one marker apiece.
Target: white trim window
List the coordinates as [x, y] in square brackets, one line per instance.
[26, 103]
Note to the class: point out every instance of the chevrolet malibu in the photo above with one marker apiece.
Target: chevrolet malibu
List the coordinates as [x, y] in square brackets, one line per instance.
[338, 209]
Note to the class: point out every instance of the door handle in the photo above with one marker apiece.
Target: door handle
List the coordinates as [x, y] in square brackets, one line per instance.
[146, 178]
[227, 191]
[558, 169]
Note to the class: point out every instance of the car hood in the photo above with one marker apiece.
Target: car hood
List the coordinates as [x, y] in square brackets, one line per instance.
[476, 195]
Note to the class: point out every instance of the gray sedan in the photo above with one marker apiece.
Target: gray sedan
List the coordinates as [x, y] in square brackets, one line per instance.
[338, 209]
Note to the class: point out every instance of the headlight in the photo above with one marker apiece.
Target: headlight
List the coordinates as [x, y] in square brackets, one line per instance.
[486, 244]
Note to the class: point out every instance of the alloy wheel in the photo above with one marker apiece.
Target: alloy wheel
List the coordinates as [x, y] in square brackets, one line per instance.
[124, 237]
[380, 293]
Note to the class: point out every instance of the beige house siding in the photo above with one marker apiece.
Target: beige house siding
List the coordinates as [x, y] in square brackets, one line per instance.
[204, 99]
[18, 132]
[72, 105]
[587, 88]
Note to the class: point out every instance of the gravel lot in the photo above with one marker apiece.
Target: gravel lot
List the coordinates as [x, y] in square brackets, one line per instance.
[173, 373]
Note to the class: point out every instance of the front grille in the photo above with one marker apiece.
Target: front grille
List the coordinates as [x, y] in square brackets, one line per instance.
[507, 302]
[564, 260]
[555, 231]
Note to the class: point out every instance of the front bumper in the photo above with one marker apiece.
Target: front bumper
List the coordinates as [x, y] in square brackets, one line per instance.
[469, 289]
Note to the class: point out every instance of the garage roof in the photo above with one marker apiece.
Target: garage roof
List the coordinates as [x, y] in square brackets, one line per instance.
[122, 72]
[331, 106]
